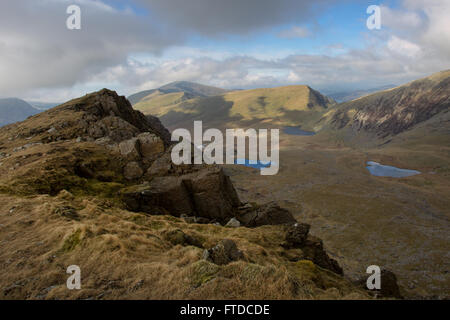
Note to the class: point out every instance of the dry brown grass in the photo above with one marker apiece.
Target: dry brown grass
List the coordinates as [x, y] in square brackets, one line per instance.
[124, 255]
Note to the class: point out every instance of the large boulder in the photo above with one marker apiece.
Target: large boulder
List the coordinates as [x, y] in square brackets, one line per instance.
[223, 253]
[151, 146]
[297, 234]
[130, 149]
[206, 193]
[213, 194]
[267, 214]
[162, 195]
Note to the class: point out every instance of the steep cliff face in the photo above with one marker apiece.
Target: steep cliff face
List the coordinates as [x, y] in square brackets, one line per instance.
[390, 112]
[91, 183]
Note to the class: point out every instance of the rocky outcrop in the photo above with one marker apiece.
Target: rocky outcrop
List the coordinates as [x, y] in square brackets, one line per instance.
[130, 149]
[267, 214]
[213, 194]
[314, 251]
[206, 193]
[159, 129]
[297, 234]
[163, 194]
[145, 147]
[297, 237]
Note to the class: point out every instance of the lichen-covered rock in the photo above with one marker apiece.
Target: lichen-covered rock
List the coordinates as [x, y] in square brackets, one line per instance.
[115, 128]
[223, 253]
[130, 148]
[150, 145]
[297, 234]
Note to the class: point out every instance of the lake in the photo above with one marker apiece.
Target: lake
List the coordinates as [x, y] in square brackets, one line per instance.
[296, 131]
[246, 162]
[380, 170]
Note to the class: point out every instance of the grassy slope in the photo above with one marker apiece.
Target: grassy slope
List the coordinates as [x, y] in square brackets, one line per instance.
[155, 102]
[292, 105]
[129, 256]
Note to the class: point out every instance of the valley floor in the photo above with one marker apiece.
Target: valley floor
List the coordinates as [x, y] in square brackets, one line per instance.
[399, 224]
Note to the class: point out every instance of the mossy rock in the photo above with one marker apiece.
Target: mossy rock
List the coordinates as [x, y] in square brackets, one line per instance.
[202, 271]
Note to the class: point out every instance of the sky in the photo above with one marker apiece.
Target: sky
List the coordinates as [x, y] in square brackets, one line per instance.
[134, 45]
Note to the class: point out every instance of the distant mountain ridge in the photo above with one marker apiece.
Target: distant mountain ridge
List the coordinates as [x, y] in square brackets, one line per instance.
[190, 88]
[43, 105]
[14, 109]
[345, 96]
[391, 112]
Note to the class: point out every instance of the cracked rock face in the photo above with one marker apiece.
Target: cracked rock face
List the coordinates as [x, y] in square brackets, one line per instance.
[206, 193]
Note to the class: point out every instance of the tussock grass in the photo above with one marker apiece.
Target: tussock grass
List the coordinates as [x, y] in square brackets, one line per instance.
[126, 255]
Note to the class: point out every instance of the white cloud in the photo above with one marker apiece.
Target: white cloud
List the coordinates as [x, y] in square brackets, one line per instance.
[42, 59]
[403, 47]
[38, 51]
